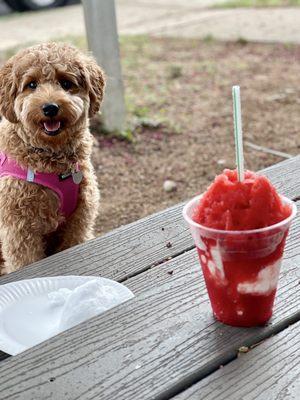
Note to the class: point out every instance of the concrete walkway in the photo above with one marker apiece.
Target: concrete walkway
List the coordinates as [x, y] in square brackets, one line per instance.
[159, 17]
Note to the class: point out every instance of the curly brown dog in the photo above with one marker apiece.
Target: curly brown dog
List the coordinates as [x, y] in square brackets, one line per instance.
[47, 94]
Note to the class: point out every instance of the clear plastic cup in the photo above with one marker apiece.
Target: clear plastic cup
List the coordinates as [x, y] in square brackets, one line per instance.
[240, 268]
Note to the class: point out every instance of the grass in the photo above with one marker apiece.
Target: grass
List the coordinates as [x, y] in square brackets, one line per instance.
[259, 3]
[147, 99]
[179, 118]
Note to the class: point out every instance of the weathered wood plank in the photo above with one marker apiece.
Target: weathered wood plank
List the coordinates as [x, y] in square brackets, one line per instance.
[161, 274]
[132, 249]
[152, 347]
[270, 371]
[285, 176]
[119, 254]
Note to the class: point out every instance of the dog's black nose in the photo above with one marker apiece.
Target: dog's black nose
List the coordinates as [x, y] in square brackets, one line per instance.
[50, 109]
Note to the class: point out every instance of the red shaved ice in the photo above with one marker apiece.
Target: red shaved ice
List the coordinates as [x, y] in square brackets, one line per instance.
[232, 205]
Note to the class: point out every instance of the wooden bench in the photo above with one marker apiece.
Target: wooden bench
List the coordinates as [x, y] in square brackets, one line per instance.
[164, 343]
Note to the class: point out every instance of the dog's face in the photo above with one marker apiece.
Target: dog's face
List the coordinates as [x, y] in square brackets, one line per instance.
[50, 90]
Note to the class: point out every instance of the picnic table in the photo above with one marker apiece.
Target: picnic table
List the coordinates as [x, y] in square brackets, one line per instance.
[164, 343]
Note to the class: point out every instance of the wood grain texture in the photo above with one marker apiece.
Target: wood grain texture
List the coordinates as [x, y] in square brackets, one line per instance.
[152, 347]
[285, 176]
[161, 274]
[270, 371]
[120, 254]
[133, 248]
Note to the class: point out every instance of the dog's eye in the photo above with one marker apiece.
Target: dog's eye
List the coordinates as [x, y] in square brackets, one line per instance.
[65, 84]
[32, 85]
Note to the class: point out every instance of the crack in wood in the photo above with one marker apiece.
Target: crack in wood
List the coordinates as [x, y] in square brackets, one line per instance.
[156, 264]
[270, 331]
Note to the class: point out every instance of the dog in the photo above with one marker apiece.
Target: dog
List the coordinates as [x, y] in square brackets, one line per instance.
[49, 196]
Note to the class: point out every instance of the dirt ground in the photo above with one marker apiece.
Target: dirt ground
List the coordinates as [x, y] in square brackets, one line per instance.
[180, 90]
[186, 86]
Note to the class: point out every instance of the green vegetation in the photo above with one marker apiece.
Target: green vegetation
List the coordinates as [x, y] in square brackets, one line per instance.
[174, 71]
[140, 111]
[209, 38]
[259, 3]
[242, 41]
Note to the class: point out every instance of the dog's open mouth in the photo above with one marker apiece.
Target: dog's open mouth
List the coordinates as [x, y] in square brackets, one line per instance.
[52, 128]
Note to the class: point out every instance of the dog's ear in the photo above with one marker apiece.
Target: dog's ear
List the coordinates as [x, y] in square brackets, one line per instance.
[96, 85]
[7, 92]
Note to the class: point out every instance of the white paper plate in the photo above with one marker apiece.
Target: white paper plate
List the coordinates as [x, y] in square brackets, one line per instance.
[26, 314]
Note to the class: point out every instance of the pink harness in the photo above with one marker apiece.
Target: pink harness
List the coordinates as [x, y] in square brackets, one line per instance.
[65, 186]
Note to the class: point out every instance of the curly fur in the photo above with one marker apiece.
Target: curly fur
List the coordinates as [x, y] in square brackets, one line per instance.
[31, 225]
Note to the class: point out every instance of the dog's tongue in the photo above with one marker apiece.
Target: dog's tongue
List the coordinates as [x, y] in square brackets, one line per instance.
[52, 126]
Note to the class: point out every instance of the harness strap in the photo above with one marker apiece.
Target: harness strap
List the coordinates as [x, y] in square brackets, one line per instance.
[67, 188]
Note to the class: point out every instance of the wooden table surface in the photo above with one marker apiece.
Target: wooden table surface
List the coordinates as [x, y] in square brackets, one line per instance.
[164, 343]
